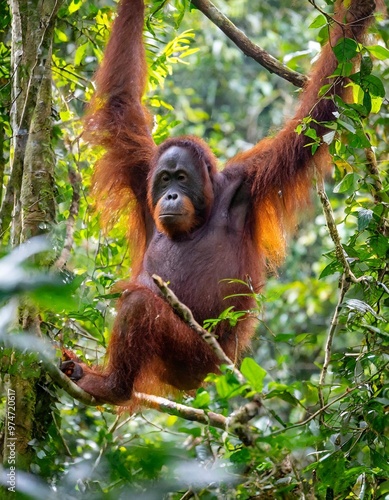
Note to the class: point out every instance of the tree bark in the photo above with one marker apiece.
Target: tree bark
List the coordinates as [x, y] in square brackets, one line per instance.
[28, 205]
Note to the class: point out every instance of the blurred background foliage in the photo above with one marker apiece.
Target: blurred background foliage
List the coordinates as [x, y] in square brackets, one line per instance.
[201, 84]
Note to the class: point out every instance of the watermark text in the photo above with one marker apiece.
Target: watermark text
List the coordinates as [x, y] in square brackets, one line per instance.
[11, 440]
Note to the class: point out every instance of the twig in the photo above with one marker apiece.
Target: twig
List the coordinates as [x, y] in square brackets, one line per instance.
[344, 287]
[372, 168]
[186, 315]
[326, 406]
[380, 198]
[247, 46]
[107, 443]
[317, 413]
[347, 277]
[74, 178]
[331, 224]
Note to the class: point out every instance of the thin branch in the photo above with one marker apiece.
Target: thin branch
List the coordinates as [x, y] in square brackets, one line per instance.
[237, 421]
[60, 435]
[75, 179]
[317, 413]
[341, 254]
[320, 411]
[380, 197]
[348, 276]
[107, 442]
[372, 168]
[346, 279]
[186, 315]
[344, 287]
[249, 48]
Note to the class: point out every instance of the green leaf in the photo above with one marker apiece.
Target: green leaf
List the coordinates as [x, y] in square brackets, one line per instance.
[227, 386]
[367, 102]
[202, 399]
[379, 461]
[80, 53]
[378, 51]
[318, 22]
[285, 395]
[356, 77]
[348, 183]
[284, 337]
[254, 373]
[364, 217]
[65, 115]
[324, 89]
[379, 244]
[74, 6]
[347, 126]
[345, 49]
[373, 85]
[332, 268]
[241, 456]
[345, 68]
[311, 132]
[376, 104]
[62, 37]
[366, 66]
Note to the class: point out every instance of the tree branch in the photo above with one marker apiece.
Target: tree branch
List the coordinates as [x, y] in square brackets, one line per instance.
[67, 385]
[188, 413]
[235, 424]
[249, 48]
[341, 255]
[186, 315]
[380, 197]
[372, 168]
[75, 180]
[238, 420]
[344, 287]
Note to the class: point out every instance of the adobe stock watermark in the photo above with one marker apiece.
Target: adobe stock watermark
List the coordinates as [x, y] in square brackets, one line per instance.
[11, 440]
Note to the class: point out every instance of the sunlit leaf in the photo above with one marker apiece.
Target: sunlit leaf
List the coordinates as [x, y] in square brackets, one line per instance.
[254, 373]
[378, 51]
[348, 183]
[74, 6]
[319, 21]
[80, 53]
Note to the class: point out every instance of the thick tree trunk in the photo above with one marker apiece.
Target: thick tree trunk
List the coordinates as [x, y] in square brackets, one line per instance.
[32, 32]
[28, 204]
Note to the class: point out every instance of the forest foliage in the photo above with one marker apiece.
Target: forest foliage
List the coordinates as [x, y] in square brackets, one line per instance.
[319, 362]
